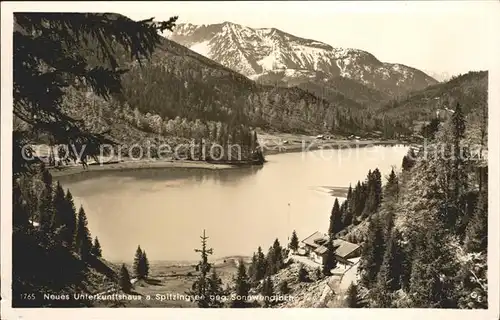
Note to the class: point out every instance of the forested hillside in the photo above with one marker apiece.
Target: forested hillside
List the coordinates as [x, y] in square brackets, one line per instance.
[424, 233]
[470, 89]
[53, 252]
[332, 89]
[179, 82]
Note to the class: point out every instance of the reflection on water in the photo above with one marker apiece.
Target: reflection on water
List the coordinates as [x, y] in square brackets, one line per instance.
[165, 210]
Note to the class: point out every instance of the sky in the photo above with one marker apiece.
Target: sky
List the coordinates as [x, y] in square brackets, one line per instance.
[437, 37]
[445, 38]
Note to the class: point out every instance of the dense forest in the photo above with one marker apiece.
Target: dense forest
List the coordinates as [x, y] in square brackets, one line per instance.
[470, 90]
[424, 233]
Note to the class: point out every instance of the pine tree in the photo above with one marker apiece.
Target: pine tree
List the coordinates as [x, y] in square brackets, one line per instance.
[138, 272]
[409, 160]
[242, 287]
[392, 186]
[268, 292]
[96, 248]
[83, 239]
[59, 205]
[303, 274]
[124, 282]
[277, 255]
[329, 262]
[347, 213]
[429, 131]
[70, 221]
[373, 252]
[389, 277]
[46, 207]
[433, 270]
[144, 264]
[335, 219]
[215, 291]
[271, 267]
[476, 234]
[252, 269]
[20, 212]
[352, 299]
[294, 242]
[284, 288]
[261, 265]
[206, 286]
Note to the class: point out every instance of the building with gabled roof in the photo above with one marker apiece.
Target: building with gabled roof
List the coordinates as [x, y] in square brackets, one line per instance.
[315, 247]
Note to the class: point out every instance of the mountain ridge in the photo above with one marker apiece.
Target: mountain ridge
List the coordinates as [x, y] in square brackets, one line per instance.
[255, 51]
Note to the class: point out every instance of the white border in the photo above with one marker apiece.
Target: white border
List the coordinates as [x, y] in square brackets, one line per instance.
[7, 8]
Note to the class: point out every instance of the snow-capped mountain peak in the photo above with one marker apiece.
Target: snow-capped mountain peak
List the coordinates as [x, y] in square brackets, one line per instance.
[257, 51]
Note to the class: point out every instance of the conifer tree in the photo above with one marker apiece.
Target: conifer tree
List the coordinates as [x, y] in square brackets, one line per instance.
[388, 279]
[392, 186]
[268, 292]
[83, 239]
[433, 270]
[144, 264]
[242, 287]
[20, 212]
[261, 265]
[59, 205]
[284, 288]
[206, 286]
[373, 252]
[96, 248]
[277, 256]
[329, 262]
[215, 291]
[70, 220]
[335, 219]
[476, 234]
[347, 213]
[271, 267]
[409, 160]
[294, 242]
[303, 274]
[124, 282]
[46, 208]
[137, 267]
[252, 269]
[352, 299]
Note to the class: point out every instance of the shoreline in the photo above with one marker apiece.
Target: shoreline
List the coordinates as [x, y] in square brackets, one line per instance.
[198, 164]
[333, 145]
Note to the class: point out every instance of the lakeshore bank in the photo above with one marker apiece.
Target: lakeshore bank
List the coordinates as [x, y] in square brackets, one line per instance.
[273, 144]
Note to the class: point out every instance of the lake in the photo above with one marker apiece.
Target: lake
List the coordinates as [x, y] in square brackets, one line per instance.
[166, 210]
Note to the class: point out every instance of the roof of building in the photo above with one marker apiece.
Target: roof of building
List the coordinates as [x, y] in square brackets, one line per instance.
[318, 240]
[344, 247]
[311, 240]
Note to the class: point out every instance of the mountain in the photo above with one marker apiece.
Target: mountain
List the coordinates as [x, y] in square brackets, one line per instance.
[182, 94]
[470, 90]
[257, 52]
[439, 76]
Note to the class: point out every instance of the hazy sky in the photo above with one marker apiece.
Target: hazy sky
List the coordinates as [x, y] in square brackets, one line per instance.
[441, 37]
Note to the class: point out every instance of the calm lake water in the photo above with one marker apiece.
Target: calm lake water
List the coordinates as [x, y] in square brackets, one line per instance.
[166, 210]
